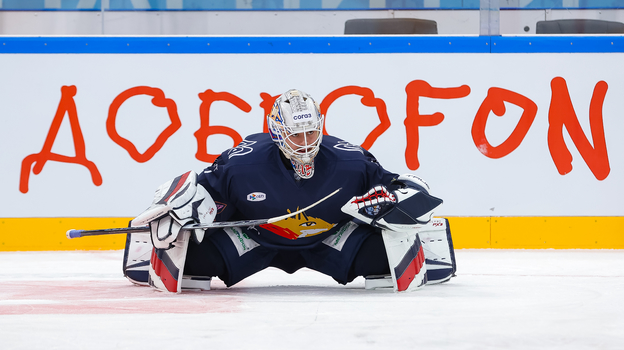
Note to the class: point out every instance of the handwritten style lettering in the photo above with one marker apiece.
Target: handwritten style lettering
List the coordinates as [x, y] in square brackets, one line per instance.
[66, 105]
[205, 130]
[561, 114]
[495, 103]
[368, 99]
[158, 100]
[414, 120]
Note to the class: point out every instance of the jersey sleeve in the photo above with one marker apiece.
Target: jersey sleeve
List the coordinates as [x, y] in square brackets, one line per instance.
[377, 175]
[215, 180]
[223, 178]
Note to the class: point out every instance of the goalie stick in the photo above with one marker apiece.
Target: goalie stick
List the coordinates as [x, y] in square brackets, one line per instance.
[240, 223]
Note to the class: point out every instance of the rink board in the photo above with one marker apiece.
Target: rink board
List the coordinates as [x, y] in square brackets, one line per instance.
[45, 234]
[433, 108]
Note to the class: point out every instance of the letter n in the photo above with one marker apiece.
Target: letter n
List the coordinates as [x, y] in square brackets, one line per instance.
[562, 114]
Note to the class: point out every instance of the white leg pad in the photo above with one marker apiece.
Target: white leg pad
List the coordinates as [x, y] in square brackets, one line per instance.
[439, 252]
[167, 266]
[136, 264]
[137, 256]
[406, 259]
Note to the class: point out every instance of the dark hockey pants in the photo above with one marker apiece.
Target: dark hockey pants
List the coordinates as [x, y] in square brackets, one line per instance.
[363, 254]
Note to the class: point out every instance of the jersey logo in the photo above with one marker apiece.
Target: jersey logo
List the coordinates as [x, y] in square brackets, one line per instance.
[241, 149]
[256, 197]
[346, 146]
[298, 226]
[220, 207]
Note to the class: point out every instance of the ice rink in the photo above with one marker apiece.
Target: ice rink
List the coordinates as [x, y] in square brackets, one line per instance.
[500, 299]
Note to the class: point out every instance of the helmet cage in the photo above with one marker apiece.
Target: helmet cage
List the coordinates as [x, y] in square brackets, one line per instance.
[295, 114]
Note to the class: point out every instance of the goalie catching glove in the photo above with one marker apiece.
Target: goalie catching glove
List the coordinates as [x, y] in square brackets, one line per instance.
[402, 206]
[176, 203]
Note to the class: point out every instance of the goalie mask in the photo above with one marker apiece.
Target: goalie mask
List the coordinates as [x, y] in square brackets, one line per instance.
[296, 125]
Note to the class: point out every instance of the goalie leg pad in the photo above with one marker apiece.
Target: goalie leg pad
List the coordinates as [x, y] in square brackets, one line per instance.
[136, 264]
[439, 253]
[137, 256]
[167, 265]
[406, 259]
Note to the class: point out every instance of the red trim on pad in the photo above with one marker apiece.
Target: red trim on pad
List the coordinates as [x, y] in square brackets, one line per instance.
[170, 282]
[414, 267]
[178, 185]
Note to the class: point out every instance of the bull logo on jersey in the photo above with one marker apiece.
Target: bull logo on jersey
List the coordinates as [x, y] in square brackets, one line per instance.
[298, 226]
[241, 149]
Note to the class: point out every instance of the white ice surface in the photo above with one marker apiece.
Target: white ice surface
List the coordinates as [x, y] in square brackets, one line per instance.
[500, 299]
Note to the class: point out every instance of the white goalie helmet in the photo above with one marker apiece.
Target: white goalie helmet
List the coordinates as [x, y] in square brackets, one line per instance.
[296, 125]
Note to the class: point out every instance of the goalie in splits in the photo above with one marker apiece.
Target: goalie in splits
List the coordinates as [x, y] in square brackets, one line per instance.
[379, 225]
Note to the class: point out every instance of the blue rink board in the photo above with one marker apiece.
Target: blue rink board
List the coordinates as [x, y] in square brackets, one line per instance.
[309, 44]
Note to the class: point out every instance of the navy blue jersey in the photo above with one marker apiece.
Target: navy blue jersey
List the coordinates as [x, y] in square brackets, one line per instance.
[250, 181]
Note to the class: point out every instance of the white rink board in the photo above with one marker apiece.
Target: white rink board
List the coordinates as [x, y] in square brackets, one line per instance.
[523, 183]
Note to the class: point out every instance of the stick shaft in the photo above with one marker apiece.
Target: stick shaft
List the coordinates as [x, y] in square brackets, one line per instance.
[241, 223]
[146, 229]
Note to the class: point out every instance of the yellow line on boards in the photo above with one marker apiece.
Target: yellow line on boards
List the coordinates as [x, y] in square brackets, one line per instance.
[538, 232]
[36, 234]
[601, 232]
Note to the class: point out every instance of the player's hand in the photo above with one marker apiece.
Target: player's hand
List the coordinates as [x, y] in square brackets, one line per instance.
[371, 205]
[406, 206]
